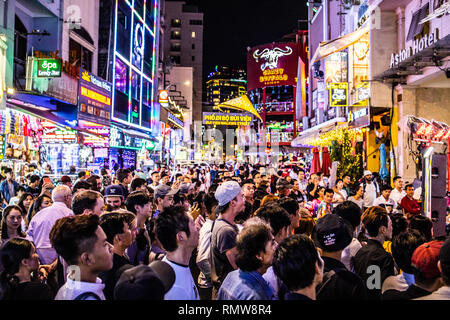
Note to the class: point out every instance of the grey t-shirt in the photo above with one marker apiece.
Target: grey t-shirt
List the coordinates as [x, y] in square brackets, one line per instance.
[223, 238]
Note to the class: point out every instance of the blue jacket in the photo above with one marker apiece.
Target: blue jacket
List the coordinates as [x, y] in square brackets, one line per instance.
[244, 285]
[4, 190]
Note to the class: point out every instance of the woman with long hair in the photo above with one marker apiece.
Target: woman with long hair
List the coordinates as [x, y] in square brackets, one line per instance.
[25, 203]
[20, 267]
[11, 226]
[41, 202]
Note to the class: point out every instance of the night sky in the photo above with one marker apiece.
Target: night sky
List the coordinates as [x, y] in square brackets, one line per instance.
[230, 26]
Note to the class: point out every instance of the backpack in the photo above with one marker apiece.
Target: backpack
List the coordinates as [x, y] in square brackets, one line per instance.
[86, 295]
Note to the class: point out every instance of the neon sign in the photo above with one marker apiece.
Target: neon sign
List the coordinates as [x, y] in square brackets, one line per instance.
[94, 99]
[95, 96]
[49, 68]
[271, 56]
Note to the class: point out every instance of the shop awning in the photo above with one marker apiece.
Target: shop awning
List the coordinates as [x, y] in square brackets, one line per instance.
[314, 132]
[45, 114]
[329, 47]
[139, 134]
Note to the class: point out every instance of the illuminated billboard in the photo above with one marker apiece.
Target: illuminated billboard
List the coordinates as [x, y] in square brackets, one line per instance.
[134, 63]
[227, 119]
[94, 99]
[272, 65]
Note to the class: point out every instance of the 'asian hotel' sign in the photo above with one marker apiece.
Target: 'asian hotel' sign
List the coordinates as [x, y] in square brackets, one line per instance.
[417, 46]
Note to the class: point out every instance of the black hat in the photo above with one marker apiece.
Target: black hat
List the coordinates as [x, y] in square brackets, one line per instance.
[145, 282]
[114, 190]
[332, 233]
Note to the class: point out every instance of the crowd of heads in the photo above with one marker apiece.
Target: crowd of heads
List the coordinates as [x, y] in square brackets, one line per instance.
[285, 226]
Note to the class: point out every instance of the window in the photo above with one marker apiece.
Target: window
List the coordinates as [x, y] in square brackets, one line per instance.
[80, 56]
[123, 29]
[175, 35]
[193, 58]
[193, 34]
[193, 46]
[176, 23]
[196, 22]
[175, 47]
[176, 59]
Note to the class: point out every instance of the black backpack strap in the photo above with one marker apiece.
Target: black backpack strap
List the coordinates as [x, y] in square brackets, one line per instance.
[86, 295]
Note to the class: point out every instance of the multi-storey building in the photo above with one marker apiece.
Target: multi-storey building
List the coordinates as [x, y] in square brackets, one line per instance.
[224, 84]
[183, 45]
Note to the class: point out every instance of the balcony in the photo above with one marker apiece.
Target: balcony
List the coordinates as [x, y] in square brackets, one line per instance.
[284, 107]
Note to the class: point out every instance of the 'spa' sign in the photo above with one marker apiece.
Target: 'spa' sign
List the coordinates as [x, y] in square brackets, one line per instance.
[49, 68]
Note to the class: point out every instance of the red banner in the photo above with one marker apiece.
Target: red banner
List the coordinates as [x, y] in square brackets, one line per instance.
[272, 65]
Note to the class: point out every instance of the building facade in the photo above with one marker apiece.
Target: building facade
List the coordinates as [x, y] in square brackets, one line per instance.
[183, 45]
[224, 84]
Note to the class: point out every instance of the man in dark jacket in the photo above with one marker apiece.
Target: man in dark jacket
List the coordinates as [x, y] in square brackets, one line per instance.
[372, 263]
[120, 230]
[332, 235]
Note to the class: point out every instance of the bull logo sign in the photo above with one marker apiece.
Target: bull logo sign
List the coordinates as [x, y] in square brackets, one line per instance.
[271, 56]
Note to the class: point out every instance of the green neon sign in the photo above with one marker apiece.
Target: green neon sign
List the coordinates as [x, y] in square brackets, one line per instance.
[49, 68]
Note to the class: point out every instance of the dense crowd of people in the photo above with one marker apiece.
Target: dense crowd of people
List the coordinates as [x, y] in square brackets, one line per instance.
[221, 232]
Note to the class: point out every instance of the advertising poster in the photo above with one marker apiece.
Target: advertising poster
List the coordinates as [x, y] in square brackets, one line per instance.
[339, 94]
[94, 99]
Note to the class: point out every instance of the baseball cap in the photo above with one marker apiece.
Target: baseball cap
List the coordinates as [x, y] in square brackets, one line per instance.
[184, 187]
[367, 172]
[425, 258]
[332, 233]
[283, 183]
[226, 192]
[114, 190]
[163, 190]
[145, 282]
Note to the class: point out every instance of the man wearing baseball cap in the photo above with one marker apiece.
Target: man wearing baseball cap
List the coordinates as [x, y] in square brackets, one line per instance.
[114, 197]
[332, 234]
[371, 189]
[163, 196]
[283, 187]
[231, 202]
[443, 265]
[427, 277]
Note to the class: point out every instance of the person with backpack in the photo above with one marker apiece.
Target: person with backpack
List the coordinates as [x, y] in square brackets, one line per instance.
[82, 243]
[204, 248]
[333, 234]
[370, 188]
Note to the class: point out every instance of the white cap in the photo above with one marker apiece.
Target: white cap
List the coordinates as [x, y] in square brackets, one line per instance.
[227, 191]
[367, 172]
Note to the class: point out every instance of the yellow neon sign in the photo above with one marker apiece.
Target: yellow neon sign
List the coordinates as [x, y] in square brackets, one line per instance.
[95, 96]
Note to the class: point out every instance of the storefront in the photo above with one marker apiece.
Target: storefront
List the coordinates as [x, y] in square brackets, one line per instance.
[129, 149]
[416, 73]
[19, 139]
[60, 148]
[175, 136]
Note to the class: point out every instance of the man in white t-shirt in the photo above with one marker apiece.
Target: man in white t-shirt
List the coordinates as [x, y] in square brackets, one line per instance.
[371, 189]
[398, 193]
[384, 200]
[177, 233]
[82, 243]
